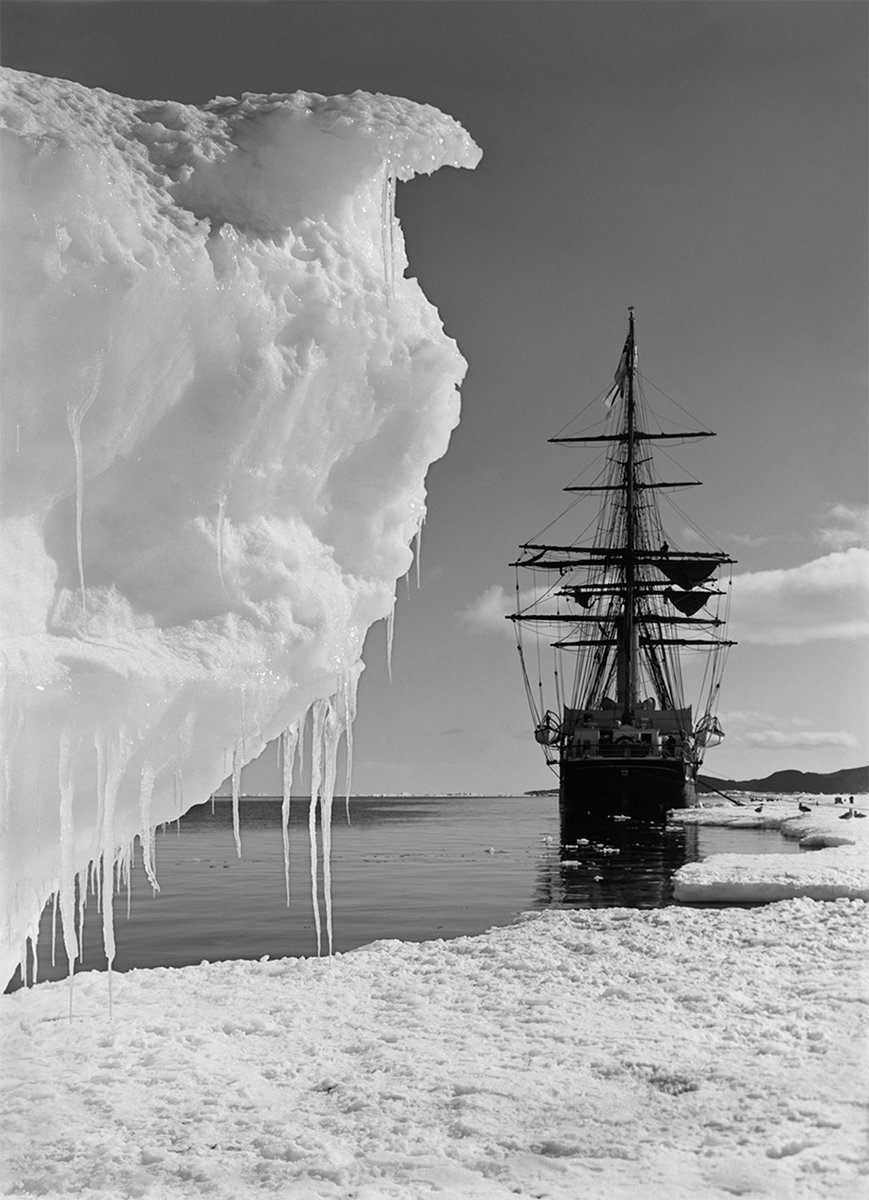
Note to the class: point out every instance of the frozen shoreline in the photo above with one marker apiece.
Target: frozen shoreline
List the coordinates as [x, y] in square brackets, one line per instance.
[837, 867]
[613, 1053]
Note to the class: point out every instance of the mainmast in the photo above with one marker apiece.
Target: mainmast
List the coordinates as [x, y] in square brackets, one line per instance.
[626, 576]
[626, 695]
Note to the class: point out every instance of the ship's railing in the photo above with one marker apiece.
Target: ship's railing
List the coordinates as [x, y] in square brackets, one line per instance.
[620, 750]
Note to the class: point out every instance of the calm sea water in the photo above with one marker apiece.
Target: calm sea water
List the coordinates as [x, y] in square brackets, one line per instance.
[412, 868]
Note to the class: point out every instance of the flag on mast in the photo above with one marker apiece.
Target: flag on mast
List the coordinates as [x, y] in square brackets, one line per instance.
[618, 388]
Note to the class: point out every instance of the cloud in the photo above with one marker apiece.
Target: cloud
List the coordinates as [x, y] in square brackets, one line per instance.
[749, 539]
[843, 526]
[821, 600]
[773, 739]
[487, 614]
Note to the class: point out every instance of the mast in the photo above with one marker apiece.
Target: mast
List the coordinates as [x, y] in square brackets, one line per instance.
[626, 696]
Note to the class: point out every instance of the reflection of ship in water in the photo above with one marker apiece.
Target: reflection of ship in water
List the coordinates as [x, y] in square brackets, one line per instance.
[615, 864]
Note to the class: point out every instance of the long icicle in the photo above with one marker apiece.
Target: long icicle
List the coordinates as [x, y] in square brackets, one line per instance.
[390, 630]
[349, 684]
[110, 783]
[319, 709]
[75, 415]
[236, 788]
[146, 833]
[289, 742]
[331, 737]
[417, 554]
[55, 899]
[67, 890]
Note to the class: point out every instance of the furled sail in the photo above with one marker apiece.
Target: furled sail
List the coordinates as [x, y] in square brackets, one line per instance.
[687, 602]
[686, 572]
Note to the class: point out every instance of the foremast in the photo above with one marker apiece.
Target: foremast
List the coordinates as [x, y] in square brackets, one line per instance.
[626, 674]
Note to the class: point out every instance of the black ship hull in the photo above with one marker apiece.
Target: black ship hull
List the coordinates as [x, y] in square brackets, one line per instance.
[640, 789]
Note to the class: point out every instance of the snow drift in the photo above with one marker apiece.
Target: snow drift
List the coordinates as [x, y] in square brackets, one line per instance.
[221, 397]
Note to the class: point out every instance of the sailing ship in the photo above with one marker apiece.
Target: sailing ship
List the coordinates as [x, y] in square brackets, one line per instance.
[612, 617]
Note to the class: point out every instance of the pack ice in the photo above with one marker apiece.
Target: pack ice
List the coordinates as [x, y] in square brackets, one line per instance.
[221, 395]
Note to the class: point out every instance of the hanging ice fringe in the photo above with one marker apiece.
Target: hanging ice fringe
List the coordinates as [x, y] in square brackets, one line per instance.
[289, 742]
[76, 411]
[387, 225]
[390, 630]
[347, 713]
[331, 719]
[236, 788]
[318, 713]
[417, 553]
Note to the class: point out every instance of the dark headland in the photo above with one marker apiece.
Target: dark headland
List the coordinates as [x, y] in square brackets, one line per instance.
[851, 779]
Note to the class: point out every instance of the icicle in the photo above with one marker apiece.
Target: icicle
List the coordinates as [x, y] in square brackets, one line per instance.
[318, 715]
[243, 724]
[54, 902]
[390, 629]
[146, 833]
[349, 684]
[236, 787]
[288, 742]
[114, 757]
[332, 730]
[75, 414]
[95, 876]
[417, 554]
[300, 749]
[387, 225]
[178, 788]
[67, 889]
[81, 900]
[221, 515]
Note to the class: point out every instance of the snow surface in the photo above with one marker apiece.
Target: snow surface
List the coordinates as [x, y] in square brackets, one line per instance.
[838, 865]
[221, 396]
[676, 1053]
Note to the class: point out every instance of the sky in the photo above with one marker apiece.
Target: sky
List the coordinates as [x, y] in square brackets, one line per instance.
[704, 162]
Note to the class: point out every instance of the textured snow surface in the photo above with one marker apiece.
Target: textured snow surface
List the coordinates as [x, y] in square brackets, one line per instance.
[838, 865]
[672, 1054]
[220, 400]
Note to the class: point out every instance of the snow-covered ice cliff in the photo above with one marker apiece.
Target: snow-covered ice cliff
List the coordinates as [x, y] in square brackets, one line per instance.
[221, 395]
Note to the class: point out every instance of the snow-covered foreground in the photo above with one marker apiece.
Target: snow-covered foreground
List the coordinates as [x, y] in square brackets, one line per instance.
[609, 1053]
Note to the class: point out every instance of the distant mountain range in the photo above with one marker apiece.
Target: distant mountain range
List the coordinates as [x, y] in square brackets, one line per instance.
[852, 780]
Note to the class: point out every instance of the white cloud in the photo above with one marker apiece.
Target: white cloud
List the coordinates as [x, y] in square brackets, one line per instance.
[773, 739]
[487, 614]
[747, 716]
[749, 540]
[843, 526]
[821, 600]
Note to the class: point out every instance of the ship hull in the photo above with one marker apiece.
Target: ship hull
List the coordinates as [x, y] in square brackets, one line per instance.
[642, 790]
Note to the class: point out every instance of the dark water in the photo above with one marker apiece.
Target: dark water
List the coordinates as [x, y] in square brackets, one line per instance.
[410, 868]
